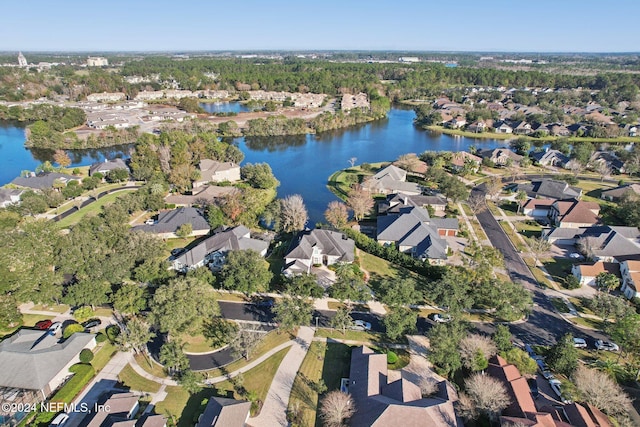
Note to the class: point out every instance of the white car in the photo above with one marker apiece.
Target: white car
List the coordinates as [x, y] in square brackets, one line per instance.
[556, 387]
[361, 325]
[150, 221]
[440, 318]
[579, 343]
[607, 345]
[59, 420]
[575, 255]
[55, 328]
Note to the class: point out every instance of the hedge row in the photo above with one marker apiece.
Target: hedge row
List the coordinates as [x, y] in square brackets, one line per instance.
[391, 254]
[82, 375]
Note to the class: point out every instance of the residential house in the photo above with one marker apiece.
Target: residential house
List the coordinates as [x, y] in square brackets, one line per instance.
[413, 232]
[223, 412]
[608, 158]
[457, 122]
[522, 409]
[460, 159]
[503, 128]
[106, 97]
[550, 158]
[149, 95]
[631, 130]
[107, 166]
[214, 171]
[316, 247]
[549, 188]
[394, 202]
[392, 179]
[557, 129]
[630, 272]
[618, 193]
[600, 242]
[478, 127]
[43, 180]
[587, 273]
[9, 197]
[541, 129]
[538, 208]
[574, 214]
[350, 102]
[170, 221]
[35, 363]
[207, 195]
[380, 402]
[522, 128]
[123, 407]
[501, 156]
[213, 250]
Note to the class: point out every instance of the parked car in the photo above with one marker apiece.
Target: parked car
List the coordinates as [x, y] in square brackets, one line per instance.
[530, 351]
[55, 327]
[91, 323]
[150, 221]
[361, 325]
[266, 302]
[556, 387]
[543, 369]
[178, 251]
[533, 387]
[575, 255]
[59, 420]
[440, 318]
[607, 345]
[579, 343]
[43, 324]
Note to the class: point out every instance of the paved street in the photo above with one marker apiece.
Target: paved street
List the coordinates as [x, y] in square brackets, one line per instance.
[544, 325]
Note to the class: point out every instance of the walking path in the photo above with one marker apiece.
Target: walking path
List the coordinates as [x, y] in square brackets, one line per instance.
[274, 409]
[140, 371]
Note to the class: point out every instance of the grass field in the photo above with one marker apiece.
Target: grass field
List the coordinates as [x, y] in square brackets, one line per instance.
[381, 269]
[195, 343]
[149, 366]
[28, 320]
[93, 208]
[334, 305]
[182, 407]
[102, 356]
[558, 268]
[302, 393]
[131, 379]
[528, 228]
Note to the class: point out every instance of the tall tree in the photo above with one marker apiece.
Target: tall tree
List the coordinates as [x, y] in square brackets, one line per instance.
[173, 358]
[399, 321]
[61, 158]
[342, 320]
[245, 271]
[539, 246]
[336, 407]
[607, 281]
[337, 214]
[129, 299]
[484, 395]
[293, 213]
[292, 312]
[599, 390]
[360, 202]
[135, 335]
[502, 337]
[245, 341]
[563, 356]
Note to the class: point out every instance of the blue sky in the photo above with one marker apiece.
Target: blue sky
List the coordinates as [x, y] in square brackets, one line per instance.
[461, 25]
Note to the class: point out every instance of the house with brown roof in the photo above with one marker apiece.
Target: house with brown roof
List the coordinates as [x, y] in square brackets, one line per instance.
[574, 213]
[461, 158]
[630, 272]
[522, 128]
[215, 171]
[380, 402]
[538, 208]
[478, 127]
[457, 122]
[587, 273]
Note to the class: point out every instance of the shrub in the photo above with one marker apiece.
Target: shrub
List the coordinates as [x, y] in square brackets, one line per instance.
[86, 355]
[72, 329]
[112, 332]
[82, 313]
[100, 337]
[571, 282]
[391, 357]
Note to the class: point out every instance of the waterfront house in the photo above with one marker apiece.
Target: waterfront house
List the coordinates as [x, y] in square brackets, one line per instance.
[170, 221]
[501, 156]
[107, 166]
[394, 202]
[215, 171]
[43, 180]
[317, 247]
[392, 179]
[550, 158]
[9, 197]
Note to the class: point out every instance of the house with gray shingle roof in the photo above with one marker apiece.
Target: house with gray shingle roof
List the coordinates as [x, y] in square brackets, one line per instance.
[318, 246]
[413, 232]
[215, 171]
[392, 179]
[501, 156]
[170, 221]
[108, 166]
[213, 250]
[600, 242]
[394, 202]
[223, 412]
[549, 188]
[380, 402]
[9, 197]
[550, 158]
[43, 180]
[38, 362]
[616, 194]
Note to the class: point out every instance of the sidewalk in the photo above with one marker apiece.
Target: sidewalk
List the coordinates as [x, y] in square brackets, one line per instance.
[274, 409]
[140, 371]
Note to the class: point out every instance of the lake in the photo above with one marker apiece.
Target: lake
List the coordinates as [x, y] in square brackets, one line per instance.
[224, 107]
[302, 163]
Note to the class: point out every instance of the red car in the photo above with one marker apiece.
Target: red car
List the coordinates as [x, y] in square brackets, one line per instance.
[44, 324]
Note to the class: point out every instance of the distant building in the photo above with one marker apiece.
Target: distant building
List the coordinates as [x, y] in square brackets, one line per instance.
[106, 97]
[409, 59]
[97, 61]
[350, 102]
[107, 166]
[22, 61]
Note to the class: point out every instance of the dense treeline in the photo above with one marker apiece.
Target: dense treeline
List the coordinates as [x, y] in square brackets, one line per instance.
[58, 118]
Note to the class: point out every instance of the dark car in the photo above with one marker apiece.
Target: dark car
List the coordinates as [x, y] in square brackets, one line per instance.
[44, 324]
[178, 251]
[533, 387]
[91, 323]
[264, 302]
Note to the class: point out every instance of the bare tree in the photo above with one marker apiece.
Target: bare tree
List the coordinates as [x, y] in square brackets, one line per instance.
[360, 201]
[598, 389]
[293, 213]
[474, 345]
[164, 155]
[574, 166]
[428, 387]
[245, 341]
[494, 187]
[604, 170]
[336, 408]
[352, 161]
[337, 214]
[61, 158]
[477, 202]
[408, 162]
[484, 395]
[538, 246]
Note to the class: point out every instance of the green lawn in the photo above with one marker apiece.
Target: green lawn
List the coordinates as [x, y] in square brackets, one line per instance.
[182, 407]
[513, 236]
[509, 208]
[588, 322]
[380, 269]
[196, 343]
[302, 394]
[58, 308]
[270, 340]
[337, 361]
[257, 379]
[478, 229]
[229, 296]
[493, 208]
[528, 228]
[334, 305]
[558, 268]
[131, 379]
[150, 366]
[103, 355]
[92, 208]
[28, 320]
